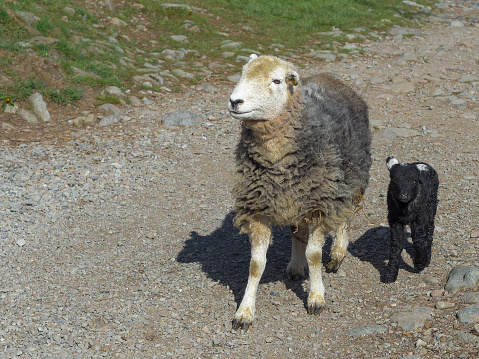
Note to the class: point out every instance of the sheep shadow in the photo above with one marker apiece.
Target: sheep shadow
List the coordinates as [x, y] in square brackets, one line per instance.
[374, 247]
[224, 255]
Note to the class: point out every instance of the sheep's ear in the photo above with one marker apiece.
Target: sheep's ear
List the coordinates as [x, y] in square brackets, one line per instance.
[391, 161]
[252, 57]
[294, 78]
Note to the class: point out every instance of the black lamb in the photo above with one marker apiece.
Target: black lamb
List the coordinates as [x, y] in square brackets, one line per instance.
[412, 200]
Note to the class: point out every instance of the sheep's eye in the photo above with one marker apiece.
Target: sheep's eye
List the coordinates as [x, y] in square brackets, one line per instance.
[277, 82]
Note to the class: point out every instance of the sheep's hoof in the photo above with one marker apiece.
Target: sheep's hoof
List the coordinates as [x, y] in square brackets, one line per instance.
[315, 309]
[333, 265]
[240, 324]
[390, 276]
[421, 266]
[316, 304]
[421, 261]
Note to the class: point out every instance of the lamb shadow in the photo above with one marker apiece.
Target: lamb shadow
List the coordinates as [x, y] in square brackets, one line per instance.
[374, 247]
[224, 256]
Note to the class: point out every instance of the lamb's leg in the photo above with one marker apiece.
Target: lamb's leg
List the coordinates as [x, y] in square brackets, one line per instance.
[298, 266]
[314, 252]
[339, 248]
[422, 246]
[397, 243]
[259, 232]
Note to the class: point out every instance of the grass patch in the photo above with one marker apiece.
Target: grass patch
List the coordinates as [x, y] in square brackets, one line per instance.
[102, 99]
[87, 40]
[25, 88]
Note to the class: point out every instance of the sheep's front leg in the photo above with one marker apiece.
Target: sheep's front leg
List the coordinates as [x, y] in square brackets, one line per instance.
[314, 254]
[340, 246]
[422, 244]
[298, 266]
[397, 243]
[259, 232]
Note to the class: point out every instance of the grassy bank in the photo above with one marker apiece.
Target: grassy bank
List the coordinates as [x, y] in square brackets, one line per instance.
[92, 51]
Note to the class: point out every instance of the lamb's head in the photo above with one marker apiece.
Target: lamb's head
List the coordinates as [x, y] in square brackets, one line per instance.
[266, 87]
[405, 180]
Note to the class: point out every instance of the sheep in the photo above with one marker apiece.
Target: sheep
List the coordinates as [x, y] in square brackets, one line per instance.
[411, 200]
[302, 160]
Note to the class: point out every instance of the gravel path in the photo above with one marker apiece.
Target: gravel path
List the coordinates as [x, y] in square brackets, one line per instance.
[119, 243]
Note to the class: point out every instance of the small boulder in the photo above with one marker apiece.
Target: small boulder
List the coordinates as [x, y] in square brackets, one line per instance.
[114, 91]
[412, 320]
[118, 22]
[471, 297]
[39, 107]
[462, 277]
[108, 109]
[28, 116]
[469, 314]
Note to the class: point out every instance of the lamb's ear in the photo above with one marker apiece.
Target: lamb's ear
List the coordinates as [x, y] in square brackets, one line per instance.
[391, 161]
[293, 77]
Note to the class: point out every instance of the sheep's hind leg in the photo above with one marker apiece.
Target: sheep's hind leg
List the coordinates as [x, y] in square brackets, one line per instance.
[422, 245]
[298, 265]
[314, 249]
[260, 237]
[339, 248]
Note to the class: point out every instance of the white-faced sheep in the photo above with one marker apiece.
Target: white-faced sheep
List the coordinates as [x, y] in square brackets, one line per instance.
[303, 160]
[412, 200]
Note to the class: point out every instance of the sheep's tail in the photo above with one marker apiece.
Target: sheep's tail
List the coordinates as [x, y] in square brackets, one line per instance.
[359, 205]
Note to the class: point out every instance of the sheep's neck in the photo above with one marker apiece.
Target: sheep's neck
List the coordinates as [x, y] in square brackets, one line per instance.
[274, 139]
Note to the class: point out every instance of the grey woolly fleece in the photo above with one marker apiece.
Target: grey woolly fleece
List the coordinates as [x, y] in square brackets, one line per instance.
[323, 169]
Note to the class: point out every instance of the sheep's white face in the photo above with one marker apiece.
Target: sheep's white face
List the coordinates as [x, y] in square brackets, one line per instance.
[266, 86]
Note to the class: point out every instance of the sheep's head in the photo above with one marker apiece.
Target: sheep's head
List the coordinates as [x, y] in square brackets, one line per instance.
[265, 89]
[405, 180]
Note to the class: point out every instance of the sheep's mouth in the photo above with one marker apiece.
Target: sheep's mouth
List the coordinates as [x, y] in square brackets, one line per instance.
[245, 115]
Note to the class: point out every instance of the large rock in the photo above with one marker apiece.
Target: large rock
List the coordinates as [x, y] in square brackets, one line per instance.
[469, 314]
[28, 116]
[28, 17]
[114, 91]
[39, 107]
[180, 7]
[118, 22]
[412, 320]
[169, 54]
[471, 297]
[154, 79]
[108, 109]
[462, 277]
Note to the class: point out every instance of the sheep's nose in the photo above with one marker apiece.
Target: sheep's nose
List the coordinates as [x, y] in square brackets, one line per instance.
[235, 103]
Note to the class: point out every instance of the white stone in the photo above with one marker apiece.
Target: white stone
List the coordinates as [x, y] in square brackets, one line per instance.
[39, 107]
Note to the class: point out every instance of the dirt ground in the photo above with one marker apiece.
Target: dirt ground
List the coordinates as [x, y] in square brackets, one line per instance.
[158, 272]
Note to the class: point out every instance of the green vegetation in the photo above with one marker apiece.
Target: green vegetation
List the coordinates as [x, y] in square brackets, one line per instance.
[92, 52]
[24, 89]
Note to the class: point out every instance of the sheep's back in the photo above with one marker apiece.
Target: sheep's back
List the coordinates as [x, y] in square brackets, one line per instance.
[336, 117]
